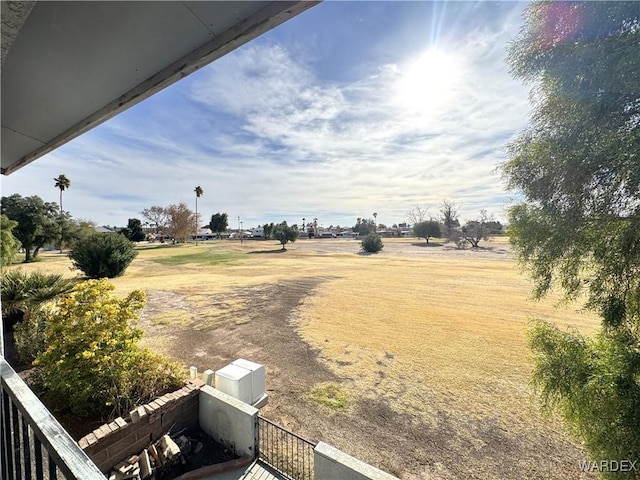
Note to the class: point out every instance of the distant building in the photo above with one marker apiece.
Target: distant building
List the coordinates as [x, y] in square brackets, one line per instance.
[105, 229]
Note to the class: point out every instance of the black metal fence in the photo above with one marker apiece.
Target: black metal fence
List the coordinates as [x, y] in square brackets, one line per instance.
[286, 452]
[33, 444]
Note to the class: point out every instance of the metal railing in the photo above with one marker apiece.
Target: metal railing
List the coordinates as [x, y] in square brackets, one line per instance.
[284, 451]
[33, 444]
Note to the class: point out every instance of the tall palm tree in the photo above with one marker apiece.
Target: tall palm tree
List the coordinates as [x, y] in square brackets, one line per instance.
[62, 182]
[198, 190]
[375, 220]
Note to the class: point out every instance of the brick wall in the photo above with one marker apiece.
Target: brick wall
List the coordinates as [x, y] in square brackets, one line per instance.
[114, 442]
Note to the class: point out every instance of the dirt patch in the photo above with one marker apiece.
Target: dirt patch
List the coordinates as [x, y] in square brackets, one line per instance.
[264, 334]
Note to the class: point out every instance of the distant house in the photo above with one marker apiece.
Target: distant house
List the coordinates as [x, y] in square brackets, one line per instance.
[105, 229]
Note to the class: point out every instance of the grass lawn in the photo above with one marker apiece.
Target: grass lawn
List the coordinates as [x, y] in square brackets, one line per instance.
[421, 361]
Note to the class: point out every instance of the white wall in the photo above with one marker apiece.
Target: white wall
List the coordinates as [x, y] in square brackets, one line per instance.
[229, 421]
[329, 463]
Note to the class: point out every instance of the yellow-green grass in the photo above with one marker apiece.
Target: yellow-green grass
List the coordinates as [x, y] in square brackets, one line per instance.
[438, 332]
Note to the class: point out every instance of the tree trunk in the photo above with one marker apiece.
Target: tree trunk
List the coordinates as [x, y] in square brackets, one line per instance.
[427, 239]
[27, 255]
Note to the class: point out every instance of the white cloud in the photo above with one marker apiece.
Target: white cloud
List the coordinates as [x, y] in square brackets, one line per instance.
[261, 130]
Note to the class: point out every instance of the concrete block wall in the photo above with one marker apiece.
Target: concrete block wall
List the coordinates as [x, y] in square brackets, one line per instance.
[113, 442]
[229, 421]
[329, 463]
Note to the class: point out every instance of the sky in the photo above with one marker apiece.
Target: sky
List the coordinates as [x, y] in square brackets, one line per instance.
[348, 109]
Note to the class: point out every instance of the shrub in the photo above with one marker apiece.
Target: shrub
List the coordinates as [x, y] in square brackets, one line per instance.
[24, 293]
[28, 337]
[103, 255]
[8, 243]
[92, 365]
[372, 243]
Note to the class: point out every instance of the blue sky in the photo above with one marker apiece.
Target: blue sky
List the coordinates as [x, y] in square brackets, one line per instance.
[348, 109]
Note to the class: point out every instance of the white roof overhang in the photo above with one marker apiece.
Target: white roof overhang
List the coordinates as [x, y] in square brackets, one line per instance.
[69, 66]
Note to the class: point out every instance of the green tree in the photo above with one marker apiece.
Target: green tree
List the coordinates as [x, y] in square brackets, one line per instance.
[285, 233]
[36, 222]
[577, 165]
[269, 229]
[427, 229]
[219, 222]
[364, 226]
[133, 230]
[8, 243]
[103, 255]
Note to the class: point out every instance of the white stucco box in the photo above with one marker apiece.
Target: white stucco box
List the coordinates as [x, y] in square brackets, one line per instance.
[258, 382]
[235, 381]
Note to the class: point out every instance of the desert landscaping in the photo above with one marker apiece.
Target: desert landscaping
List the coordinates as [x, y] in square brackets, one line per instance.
[414, 359]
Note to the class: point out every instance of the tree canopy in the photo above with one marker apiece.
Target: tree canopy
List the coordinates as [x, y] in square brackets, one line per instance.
[364, 226]
[285, 233]
[219, 222]
[133, 231]
[156, 217]
[36, 222]
[427, 229]
[577, 165]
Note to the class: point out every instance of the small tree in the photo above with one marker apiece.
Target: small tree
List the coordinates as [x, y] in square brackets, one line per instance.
[134, 231]
[92, 363]
[427, 229]
[157, 217]
[103, 255]
[364, 226]
[284, 233]
[450, 222]
[372, 243]
[219, 222]
[181, 221]
[476, 230]
[8, 243]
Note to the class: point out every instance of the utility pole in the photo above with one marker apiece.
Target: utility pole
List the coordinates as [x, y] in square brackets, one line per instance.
[241, 232]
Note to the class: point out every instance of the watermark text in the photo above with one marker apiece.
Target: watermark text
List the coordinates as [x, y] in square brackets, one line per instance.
[610, 466]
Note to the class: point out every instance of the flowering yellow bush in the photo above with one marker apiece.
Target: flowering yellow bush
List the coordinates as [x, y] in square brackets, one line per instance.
[92, 363]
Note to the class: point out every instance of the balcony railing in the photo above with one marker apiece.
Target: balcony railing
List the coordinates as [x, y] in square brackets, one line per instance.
[288, 453]
[33, 444]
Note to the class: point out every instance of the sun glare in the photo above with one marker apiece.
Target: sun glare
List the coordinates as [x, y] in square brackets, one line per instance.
[427, 82]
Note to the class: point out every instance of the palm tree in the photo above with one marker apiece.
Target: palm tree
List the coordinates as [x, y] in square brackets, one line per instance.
[62, 182]
[199, 193]
[375, 220]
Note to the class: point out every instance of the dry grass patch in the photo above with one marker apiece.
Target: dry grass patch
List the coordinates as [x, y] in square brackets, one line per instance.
[424, 368]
